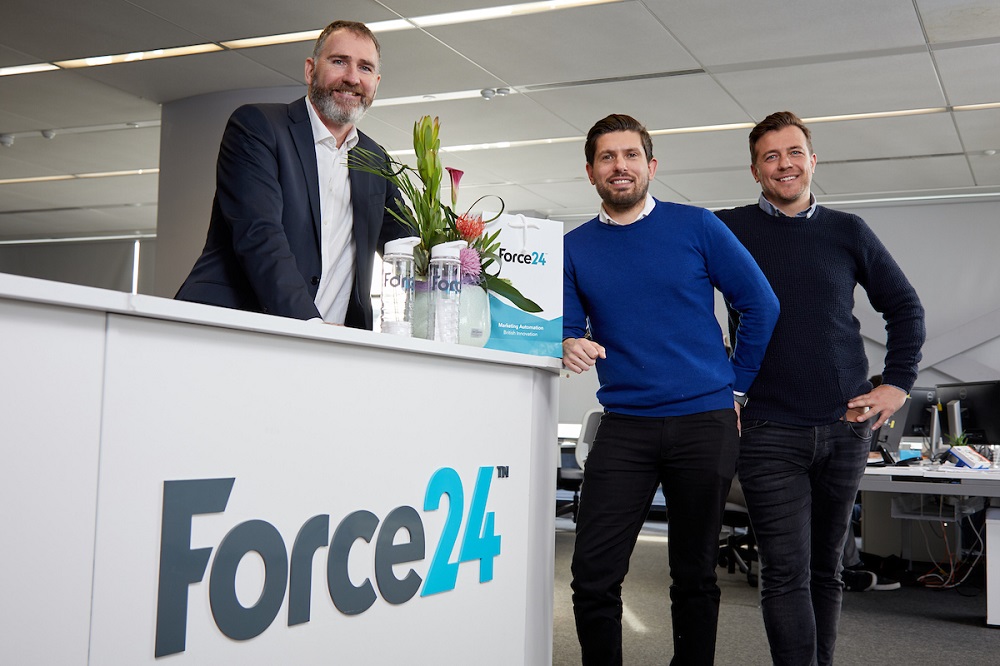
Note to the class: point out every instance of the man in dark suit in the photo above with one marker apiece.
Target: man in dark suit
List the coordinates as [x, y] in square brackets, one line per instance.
[293, 230]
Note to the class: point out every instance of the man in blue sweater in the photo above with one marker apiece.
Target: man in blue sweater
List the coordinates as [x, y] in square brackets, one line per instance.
[807, 427]
[638, 302]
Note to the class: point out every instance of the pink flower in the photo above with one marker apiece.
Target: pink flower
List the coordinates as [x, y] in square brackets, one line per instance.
[470, 227]
[472, 267]
[456, 176]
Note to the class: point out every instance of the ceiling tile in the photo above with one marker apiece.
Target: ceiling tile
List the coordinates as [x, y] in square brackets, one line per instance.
[850, 86]
[725, 187]
[471, 121]
[234, 19]
[933, 134]
[986, 169]
[66, 99]
[528, 164]
[959, 20]
[569, 45]
[438, 69]
[689, 153]
[662, 103]
[720, 32]
[82, 193]
[980, 130]
[176, 78]
[78, 222]
[44, 31]
[86, 153]
[907, 175]
[970, 75]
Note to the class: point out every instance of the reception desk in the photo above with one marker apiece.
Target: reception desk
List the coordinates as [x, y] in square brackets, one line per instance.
[184, 484]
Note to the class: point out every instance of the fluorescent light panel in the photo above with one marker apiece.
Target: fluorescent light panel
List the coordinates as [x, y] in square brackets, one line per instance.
[878, 114]
[78, 239]
[27, 69]
[429, 97]
[77, 176]
[977, 107]
[504, 11]
[271, 40]
[137, 56]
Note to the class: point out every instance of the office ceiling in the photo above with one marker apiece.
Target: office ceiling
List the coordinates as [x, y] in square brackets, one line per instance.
[673, 64]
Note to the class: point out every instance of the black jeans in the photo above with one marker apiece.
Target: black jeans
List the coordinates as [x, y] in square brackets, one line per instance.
[800, 484]
[694, 457]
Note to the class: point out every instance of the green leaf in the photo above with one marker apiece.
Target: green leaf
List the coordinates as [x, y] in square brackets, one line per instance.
[508, 291]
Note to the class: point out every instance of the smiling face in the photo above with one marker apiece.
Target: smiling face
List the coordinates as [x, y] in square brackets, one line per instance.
[784, 165]
[621, 174]
[343, 78]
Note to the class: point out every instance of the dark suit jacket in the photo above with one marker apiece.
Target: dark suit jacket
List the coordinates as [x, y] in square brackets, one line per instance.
[263, 248]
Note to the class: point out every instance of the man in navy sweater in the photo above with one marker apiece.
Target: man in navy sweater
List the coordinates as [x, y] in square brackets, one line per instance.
[807, 427]
[638, 302]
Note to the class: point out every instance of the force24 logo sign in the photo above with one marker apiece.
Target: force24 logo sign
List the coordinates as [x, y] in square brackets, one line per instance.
[181, 565]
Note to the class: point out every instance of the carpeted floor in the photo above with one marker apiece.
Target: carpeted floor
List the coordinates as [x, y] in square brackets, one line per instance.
[912, 626]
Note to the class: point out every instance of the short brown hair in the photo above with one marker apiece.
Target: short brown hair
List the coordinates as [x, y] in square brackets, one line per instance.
[617, 123]
[774, 122]
[359, 29]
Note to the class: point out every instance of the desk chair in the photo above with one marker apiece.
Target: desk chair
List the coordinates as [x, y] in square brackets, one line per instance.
[588, 431]
[569, 476]
[570, 471]
[738, 546]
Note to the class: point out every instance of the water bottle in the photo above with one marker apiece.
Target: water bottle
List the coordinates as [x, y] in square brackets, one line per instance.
[398, 286]
[446, 288]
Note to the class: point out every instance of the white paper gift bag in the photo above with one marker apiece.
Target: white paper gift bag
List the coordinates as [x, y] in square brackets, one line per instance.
[531, 258]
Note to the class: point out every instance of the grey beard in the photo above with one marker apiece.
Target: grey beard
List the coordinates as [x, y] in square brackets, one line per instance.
[329, 109]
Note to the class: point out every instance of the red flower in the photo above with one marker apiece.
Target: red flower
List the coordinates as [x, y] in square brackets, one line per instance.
[470, 227]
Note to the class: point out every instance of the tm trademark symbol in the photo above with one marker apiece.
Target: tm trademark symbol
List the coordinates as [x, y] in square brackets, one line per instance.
[503, 471]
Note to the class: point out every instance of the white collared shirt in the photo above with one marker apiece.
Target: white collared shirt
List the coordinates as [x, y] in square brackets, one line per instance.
[646, 210]
[337, 220]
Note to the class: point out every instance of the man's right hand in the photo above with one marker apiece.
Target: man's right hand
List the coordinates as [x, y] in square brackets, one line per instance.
[580, 354]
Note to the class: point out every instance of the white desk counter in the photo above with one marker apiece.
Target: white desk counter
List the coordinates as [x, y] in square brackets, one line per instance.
[933, 480]
[214, 486]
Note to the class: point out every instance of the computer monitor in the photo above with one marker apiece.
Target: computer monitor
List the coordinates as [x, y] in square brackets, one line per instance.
[917, 417]
[889, 436]
[972, 409]
[913, 419]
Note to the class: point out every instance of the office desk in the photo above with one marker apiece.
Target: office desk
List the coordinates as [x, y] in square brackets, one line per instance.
[933, 481]
[957, 482]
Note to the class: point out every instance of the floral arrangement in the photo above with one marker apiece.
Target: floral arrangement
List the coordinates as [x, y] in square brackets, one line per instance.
[434, 222]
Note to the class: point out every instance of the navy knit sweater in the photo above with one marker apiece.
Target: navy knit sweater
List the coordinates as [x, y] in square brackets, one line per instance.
[816, 360]
[648, 291]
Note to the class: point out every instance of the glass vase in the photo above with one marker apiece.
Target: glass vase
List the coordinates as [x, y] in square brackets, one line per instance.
[474, 323]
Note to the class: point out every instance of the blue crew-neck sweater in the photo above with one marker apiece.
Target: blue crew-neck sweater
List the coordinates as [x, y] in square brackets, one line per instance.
[647, 290]
[816, 361]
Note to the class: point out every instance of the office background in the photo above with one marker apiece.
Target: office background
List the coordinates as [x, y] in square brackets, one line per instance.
[109, 161]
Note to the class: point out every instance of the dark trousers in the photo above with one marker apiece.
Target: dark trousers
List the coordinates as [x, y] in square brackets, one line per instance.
[694, 457]
[800, 484]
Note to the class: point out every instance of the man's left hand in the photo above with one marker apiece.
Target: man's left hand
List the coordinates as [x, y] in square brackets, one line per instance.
[881, 401]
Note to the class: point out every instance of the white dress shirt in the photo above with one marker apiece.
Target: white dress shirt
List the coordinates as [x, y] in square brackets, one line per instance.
[337, 221]
[650, 204]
